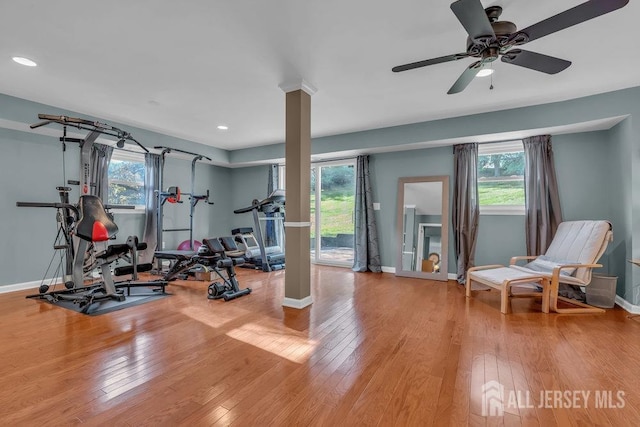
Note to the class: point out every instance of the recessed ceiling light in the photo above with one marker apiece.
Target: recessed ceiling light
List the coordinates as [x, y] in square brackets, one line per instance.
[24, 61]
[223, 127]
[485, 72]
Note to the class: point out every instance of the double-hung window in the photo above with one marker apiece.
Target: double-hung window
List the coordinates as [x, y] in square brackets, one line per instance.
[126, 179]
[501, 178]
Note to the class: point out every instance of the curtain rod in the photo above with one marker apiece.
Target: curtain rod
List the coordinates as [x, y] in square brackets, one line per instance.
[337, 159]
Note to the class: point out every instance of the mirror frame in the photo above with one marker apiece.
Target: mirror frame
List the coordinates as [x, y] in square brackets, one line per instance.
[443, 274]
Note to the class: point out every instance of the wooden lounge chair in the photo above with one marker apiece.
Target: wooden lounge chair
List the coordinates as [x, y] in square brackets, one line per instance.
[574, 252]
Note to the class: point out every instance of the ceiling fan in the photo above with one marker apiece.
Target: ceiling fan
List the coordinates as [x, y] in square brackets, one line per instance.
[489, 38]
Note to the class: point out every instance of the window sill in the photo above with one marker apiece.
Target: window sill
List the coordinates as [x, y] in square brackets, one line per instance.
[127, 211]
[502, 210]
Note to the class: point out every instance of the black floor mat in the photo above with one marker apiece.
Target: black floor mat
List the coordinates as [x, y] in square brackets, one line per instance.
[139, 295]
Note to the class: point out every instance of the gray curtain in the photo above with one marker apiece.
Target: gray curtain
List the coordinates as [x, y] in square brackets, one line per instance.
[366, 253]
[270, 235]
[466, 208]
[151, 187]
[542, 201]
[100, 158]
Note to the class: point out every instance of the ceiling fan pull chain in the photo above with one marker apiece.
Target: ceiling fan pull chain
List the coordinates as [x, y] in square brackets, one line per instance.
[491, 86]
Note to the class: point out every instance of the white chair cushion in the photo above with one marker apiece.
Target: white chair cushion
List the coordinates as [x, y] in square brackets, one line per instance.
[545, 264]
[581, 241]
[496, 276]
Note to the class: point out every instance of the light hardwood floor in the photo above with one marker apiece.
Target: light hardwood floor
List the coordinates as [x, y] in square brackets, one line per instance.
[372, 350]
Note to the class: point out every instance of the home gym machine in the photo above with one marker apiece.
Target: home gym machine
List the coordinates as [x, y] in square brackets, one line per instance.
[65, 217]
[93, 224]
[256, 254]
[89, 223]
[173, 195]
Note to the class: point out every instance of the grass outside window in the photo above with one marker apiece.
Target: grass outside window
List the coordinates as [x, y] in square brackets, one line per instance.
[337, 209]
[492, 193]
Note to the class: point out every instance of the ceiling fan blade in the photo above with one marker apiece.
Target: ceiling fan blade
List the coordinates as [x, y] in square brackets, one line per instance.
[465, 78]
[576, 15]
[535, 61]
[473, 18]
[426, 62]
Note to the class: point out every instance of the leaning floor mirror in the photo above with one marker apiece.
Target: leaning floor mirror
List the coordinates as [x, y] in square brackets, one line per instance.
[422, 227]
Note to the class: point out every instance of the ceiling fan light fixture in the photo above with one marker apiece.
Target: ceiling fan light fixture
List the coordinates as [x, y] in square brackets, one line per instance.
[24, 61]
[485, 72]
[490, 39]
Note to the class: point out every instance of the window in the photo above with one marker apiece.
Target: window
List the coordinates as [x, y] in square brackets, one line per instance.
[332, 211]
[126, 179]
[501, 178]
[333, 187]
[282, 178]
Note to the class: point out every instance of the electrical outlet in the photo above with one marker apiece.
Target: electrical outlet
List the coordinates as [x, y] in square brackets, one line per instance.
[376, 206]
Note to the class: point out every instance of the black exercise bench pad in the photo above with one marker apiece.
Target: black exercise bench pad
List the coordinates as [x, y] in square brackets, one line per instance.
[179, 255]
[117, 249]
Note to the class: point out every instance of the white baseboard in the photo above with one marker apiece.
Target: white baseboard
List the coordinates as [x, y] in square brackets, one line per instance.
[26, 285]
[297, 303]
[392, 270]
[626, 305]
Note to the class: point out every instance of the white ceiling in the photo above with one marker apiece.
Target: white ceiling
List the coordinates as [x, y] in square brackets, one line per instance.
[182, 68]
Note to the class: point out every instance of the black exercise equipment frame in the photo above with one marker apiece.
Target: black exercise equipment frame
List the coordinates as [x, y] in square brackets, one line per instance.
[75, 269]
[274, 202]
[163, 196]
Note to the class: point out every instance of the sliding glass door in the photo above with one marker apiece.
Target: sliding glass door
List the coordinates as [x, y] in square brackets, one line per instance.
[332, 212]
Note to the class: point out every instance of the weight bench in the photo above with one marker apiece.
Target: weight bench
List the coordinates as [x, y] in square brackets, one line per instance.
[214, 255]
[181, 261]
[229, 288]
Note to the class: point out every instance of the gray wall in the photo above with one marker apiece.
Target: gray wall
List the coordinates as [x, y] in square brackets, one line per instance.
[29, 171]
[584, 179]
[385, 169]
[499, 238]
[619, 165]
[598, 176]
[247, 184]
